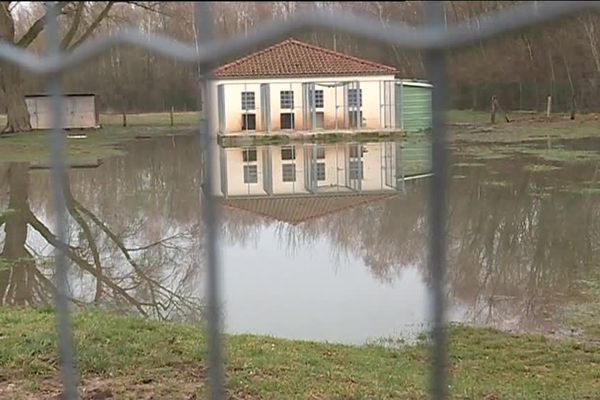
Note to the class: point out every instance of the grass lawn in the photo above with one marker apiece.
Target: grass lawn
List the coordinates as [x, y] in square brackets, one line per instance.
[466, 127]
[475, 126]
[528, 134]
[131, 358]
[483, 117]
[100, 143]
[190, 118]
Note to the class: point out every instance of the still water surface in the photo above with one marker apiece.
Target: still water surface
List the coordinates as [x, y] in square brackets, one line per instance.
[318, 243]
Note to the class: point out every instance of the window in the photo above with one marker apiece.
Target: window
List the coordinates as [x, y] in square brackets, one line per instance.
[318, 99]
[320, 153]
[288, 153]
[288, 172]
[249, 155]
[248, 101]
[248, 122]
[354, 97]
[320, 119]
[286, 121]
[355, 117]
[355, 151]
[356, 170]
[250, 174]
[321, 171]
[287, 98]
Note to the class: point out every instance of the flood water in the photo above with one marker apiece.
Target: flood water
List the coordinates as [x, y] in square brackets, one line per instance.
[324, 243]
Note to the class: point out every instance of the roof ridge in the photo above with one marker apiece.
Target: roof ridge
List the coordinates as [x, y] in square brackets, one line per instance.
[288, 45]
[256, 53]
[363, 199]
[340, 54]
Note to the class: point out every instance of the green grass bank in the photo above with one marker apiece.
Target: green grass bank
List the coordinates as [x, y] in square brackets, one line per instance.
[131, 358]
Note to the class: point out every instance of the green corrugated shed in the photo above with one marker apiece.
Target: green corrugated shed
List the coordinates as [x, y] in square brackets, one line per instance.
[413, 106]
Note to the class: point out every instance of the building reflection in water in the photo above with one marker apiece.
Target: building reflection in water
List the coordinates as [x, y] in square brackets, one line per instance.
[296, 183]
[325, 242]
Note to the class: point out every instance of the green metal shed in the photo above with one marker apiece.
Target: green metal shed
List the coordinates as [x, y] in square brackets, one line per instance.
[413, 105]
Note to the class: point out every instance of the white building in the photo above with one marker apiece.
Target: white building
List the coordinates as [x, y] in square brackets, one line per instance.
[294, 86]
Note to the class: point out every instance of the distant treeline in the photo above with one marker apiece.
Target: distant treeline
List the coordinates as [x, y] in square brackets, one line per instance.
[562, 60]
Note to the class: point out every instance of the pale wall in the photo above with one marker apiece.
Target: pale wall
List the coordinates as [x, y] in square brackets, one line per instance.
[335, 170]
[78, 112]
[372, 95]
[373, 173]
[235, 173]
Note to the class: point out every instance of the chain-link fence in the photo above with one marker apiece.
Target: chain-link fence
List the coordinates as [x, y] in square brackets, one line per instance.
[434, 39]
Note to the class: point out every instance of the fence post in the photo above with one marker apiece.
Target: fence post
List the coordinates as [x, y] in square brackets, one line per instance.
[124, 119]
[493, 110]
[171, 115]
[548, 106]
[573, 107]
[436, 71]
[216, 375]
[66, 347]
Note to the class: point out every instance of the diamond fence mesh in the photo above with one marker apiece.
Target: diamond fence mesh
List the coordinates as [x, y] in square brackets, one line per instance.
[435, 39]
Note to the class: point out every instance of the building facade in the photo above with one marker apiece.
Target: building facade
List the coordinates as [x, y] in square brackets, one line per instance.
[294, 86]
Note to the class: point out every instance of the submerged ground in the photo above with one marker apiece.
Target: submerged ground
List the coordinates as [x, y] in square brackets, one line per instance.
[512, 174]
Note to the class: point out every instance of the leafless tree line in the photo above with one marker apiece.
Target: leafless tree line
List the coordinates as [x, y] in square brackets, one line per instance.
[522, 69]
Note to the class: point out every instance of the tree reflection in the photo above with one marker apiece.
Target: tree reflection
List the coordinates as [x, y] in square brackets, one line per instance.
[516, 248]
[126, 252]
[21, 282]
[516, 253]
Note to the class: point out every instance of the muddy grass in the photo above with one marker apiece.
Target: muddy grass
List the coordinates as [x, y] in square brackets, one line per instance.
[540, 168]
[101, 143]
[321, 138]
[586, 315]
[131, 358]
[548, 144]
[471, 127]
[471, 131]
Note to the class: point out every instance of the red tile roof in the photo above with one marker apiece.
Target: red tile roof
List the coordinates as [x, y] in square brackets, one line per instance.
[293, 58]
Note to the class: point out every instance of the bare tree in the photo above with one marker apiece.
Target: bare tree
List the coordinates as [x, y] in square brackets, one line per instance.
[81, 20]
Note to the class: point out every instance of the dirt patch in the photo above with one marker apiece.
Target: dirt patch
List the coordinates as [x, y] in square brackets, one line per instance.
[152, 386]
[179, 381]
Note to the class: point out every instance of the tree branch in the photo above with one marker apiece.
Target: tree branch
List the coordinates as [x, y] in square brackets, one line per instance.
[88, 235]
[121, 246]
[99, 18]
[39, 226]
[154, 244]
[70, 35]
[37, 27]
[153, 8]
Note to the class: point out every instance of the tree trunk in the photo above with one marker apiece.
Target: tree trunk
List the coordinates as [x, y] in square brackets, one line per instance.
[16, 225]
[16, 280]
[11, 82]
[11, 86]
